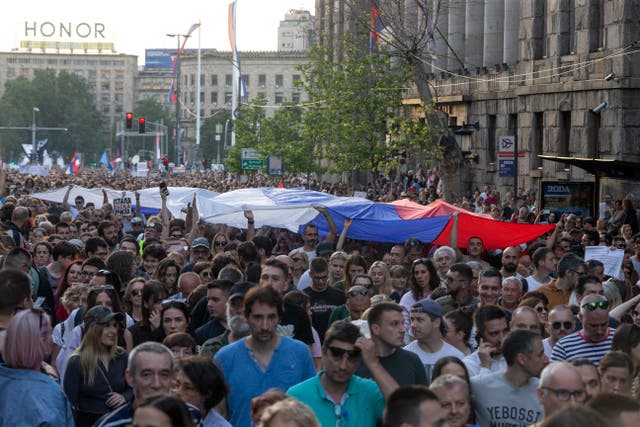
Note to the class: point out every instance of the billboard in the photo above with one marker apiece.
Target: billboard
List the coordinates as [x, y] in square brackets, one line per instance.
[159, 58]
[570, 197]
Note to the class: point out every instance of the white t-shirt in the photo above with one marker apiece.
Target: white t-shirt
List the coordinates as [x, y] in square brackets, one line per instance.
[533, 284]
[429, 359]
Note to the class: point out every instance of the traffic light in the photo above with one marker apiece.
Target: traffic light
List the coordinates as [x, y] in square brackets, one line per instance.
[129, 118]
[141, 125]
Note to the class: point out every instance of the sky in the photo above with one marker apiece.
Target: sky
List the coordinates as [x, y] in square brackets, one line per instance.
[134, 26]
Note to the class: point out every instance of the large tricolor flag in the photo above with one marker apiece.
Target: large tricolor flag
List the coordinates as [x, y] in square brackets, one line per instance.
[172, 89]
[74, 165]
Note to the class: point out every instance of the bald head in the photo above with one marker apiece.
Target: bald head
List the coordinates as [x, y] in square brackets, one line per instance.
[19, 215]
[525, 317]
[560, 386]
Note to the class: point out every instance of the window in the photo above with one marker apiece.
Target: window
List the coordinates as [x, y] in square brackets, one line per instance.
[593, 135]
[228, 80]
[201, 79]
[565, 133]
[539, 29]
[214, 80]
[227, 97]
[295, 97]
[192, 79]
[201, 97]
[214, 98]
[567, 27]
[279, 80]
[262, 80]
[106, 86]
[296, 78]
[93, 74]
[279, 98]
[538, 140]
[491, 138]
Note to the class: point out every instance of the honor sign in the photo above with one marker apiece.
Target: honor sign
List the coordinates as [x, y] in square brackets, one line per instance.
[64, 30]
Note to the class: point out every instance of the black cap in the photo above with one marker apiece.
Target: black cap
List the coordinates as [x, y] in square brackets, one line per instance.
[101, 315]
[240, 289]
[324, 248]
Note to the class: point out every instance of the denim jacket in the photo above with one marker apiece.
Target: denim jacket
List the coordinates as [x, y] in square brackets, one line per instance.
[31, 398]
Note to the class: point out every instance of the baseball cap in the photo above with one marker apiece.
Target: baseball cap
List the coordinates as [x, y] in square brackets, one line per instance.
[77, 243]
[155, 225]
[136, 220]
[201, 241]
[240, 289]
[324, 248]
[101, 315]
[432, 308]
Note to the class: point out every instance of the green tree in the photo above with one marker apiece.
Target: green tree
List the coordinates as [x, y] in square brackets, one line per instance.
[247, 129]
[63, 101]
[210, 146]
[353, 106]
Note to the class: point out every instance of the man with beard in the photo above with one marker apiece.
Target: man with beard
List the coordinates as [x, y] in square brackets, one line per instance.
[491, 326]
[109, 232]
[560, 324]
[510, 260]
[263, 360]
[237, 326]
[310, 236]
[458, 280]
[336, 395]
[508, 397]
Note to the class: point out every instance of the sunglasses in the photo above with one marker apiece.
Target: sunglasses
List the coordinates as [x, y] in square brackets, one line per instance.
[594, 305]
[339, 353]
[220, 244]
[102, 288]
[136, 292]
[635, 313]
[356, 293]
[541, 309]
[176, 236]
[206, 274]
[563, 325]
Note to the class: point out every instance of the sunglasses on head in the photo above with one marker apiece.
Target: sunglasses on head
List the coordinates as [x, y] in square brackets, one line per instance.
[563, 325]
[357, 292]
[102, 288]
[339, 353]
[170, 303]
[591, 306]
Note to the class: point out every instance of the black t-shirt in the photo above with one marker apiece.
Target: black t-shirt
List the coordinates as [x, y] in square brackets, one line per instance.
[404, 366]
[296, 323]
[322, 304]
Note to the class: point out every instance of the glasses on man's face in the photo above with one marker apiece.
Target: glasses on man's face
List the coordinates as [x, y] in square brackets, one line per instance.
[541, 308]
[562, 325]
[564, 395]
[594, 305]
[339, 353]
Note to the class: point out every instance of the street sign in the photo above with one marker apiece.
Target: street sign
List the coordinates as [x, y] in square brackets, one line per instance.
[249, 153]
[506, 167]
[275, 166]
[252, 164]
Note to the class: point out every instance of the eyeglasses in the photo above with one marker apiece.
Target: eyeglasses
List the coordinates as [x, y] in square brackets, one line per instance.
[136, 292]
[220, 244]
[540, 309]
[176, 236]
[356, 292]
[594, 305]
[564, 325]
[339, 353]
[320, 278]
[564, 395]
[206, 273]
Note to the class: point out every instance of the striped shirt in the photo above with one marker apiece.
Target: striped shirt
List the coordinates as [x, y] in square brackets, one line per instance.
[576, 345]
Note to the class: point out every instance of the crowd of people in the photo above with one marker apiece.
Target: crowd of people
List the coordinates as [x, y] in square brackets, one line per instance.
[141, 320]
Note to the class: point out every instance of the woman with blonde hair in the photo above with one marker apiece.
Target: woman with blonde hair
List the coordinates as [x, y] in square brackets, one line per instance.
[288, 412]
[29, 397]
[379, 273]
[94, 378]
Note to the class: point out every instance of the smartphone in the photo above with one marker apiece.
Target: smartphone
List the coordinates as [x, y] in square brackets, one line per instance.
[163, 189]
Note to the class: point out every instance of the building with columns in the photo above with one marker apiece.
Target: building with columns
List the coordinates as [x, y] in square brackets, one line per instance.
[562, 76]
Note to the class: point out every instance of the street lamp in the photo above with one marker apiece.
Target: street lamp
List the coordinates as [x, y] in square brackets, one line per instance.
[218, 140]
[33, 131]
[178, 137]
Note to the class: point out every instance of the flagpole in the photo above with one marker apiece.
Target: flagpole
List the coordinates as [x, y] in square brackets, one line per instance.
[198, 100]
[236, 68]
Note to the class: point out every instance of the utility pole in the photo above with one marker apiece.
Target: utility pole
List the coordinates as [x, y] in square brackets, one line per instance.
[178, 137]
